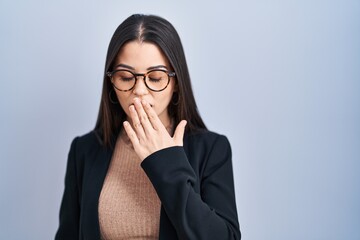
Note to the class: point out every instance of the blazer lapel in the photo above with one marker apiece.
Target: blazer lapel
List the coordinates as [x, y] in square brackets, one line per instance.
[92, 188]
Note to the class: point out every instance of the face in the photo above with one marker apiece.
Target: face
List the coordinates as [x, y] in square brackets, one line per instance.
[140, 57]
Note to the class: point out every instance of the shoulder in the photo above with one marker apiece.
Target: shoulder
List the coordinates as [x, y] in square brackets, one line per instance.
[206, 141]
[206, 137]
[85, 150]
[90, 138]
[207, 151]
[86, 143]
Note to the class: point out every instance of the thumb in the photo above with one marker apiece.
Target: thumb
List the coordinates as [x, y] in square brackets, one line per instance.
[179, 133]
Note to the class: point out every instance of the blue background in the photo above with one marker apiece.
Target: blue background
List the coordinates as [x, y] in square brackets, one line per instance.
[280, 78]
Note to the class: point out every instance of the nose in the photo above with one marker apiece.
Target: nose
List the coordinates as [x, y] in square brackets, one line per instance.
[140, 87]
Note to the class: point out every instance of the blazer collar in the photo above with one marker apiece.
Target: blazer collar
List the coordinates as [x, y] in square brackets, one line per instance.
[91, 194]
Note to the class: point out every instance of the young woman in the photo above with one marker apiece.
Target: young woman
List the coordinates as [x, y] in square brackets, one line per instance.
[150, 169]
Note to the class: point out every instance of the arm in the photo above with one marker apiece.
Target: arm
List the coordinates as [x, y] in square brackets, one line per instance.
[70, 208]
[208, 215]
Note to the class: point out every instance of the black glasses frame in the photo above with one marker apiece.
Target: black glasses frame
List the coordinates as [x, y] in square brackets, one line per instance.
[144, 75]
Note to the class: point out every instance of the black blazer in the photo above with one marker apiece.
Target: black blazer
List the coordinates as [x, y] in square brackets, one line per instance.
[194, 183]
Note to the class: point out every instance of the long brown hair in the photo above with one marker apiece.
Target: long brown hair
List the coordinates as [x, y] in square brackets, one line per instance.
[153, 29]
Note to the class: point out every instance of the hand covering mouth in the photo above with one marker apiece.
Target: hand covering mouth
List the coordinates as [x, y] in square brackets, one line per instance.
[134, 104]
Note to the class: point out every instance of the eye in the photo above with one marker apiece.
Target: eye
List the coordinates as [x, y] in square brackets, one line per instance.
[157, 76]
[154, 79]
[126, 79]
[123, 76]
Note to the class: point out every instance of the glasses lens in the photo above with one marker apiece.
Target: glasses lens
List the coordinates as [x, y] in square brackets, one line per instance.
[157, 80]
[123, 80]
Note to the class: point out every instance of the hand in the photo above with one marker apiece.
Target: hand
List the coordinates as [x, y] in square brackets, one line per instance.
[148, 134]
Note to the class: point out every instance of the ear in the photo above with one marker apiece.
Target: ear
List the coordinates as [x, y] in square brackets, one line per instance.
[176, 87]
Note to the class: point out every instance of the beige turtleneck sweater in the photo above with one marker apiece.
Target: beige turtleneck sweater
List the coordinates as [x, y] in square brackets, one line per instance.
[129, 207]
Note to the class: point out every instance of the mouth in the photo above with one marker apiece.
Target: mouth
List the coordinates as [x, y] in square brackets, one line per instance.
[134, 105]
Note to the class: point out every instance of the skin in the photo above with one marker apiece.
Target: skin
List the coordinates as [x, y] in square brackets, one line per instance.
[146, 110]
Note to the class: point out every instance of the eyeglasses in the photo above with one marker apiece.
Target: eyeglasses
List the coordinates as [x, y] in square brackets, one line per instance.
[156, 80]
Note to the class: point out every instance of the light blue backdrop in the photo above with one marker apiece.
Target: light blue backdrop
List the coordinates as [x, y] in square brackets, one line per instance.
[280, 78]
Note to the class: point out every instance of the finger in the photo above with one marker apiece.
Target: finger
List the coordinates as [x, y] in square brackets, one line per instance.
[131, 134]
[143, 117]
[136, 124]
[179, 133]
[152, 116]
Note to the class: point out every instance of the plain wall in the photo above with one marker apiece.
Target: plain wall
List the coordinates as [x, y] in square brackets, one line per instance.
[280, 78]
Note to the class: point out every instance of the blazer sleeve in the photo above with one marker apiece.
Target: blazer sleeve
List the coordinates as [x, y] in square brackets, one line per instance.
[208, 215]
[70, 207]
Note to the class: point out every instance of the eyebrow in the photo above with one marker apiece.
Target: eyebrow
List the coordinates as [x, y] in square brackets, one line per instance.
[121, 65]
[155, 67]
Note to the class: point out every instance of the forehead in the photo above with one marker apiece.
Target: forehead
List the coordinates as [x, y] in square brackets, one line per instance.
[141, 55]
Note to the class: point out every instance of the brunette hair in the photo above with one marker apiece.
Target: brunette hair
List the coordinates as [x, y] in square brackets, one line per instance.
[152, 29]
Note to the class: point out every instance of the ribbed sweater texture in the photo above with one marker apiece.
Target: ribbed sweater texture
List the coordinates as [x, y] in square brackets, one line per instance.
[129, 207]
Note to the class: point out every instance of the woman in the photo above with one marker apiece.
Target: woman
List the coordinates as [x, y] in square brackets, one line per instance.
[150, 169]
